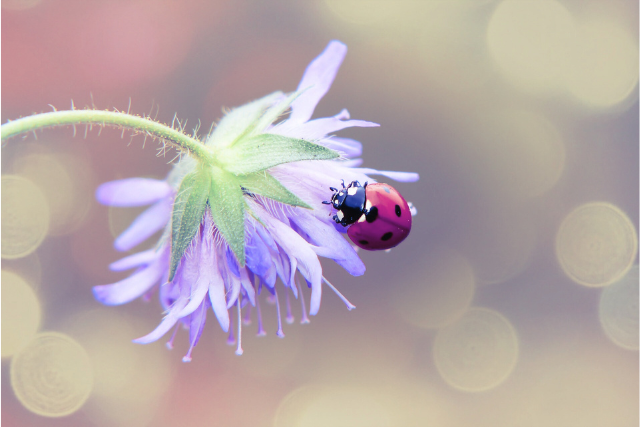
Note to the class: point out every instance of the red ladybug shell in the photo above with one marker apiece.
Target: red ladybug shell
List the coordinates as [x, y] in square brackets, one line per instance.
[390, 227]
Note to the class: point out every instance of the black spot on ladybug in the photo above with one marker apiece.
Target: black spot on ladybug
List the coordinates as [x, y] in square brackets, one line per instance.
[363, 242]
[386, 189]
[373, 214]
[386, 236]
[398, 211]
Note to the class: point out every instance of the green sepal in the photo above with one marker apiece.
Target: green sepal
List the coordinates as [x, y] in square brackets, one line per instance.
[260, 152]
[264, 184]
[188, 210]
[240, 121]
[227, 209]
[273, 113]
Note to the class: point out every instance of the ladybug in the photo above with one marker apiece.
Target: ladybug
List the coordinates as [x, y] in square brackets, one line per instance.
[377, 215]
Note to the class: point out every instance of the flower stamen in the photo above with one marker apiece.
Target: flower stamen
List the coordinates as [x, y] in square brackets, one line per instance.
[289, 317]
[239, 350]
[231, 339]
[342, 297]
[173, 336]
[261, 331]
[247, 317]
[305, 318]
[280, 333]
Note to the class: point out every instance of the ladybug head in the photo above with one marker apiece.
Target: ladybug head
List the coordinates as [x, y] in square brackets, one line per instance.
[338, 198]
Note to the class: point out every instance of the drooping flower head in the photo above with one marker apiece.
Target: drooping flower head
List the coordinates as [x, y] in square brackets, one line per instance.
[249, 217]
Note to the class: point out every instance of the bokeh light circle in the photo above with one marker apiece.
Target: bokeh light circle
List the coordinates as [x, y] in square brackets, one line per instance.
[441, 294]
[52, 376]
[362, 403]
[20, 313]
[619, 310]
[530, 41]
[25, 217]
[28, 267]
[130, 380]
[596, 244]
[604, 69]
[64, 181]
[477, 352]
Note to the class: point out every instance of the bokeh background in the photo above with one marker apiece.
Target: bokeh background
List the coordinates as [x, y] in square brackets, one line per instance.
[514, 301]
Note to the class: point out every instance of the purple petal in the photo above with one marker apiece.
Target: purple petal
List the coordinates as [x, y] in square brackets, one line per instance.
[169, 292]
[234, 284]
[196, 326]
[191, 265]
[232, 263]
[348, 147]
[257, 255]
[330, 243]
[296, 246]
[281, 262]
[270, 277]
[191, 276]
[247, 286]
[130, 288]
[132, 192]
[266, 238]
[145, 225]
[351, 163]
[396, 176]
[166, 324]
[210, 273]
[320, 128]
[135, 260]
[317, 80]
[198, 292]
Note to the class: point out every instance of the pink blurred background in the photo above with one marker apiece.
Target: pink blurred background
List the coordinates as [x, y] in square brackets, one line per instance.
[505, 152]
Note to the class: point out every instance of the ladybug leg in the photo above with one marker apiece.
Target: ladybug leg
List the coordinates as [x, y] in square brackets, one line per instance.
[326, 202]
[333, 189]
[365, 184]
[343, 183]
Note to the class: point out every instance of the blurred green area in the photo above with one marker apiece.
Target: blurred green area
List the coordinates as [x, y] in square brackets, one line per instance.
[517, 114]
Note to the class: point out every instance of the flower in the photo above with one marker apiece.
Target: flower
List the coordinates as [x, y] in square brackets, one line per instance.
[253, 215]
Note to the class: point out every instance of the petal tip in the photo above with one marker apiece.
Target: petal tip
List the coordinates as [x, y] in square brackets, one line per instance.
[121, 246]
[102, 295]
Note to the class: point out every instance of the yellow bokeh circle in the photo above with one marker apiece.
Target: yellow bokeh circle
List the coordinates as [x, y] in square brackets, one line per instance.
[604, 67]
[52, 375]
[477, 352]
[596, 244]
[25, 217]
[530, 41]
[66, 182]
[619, 310]
[20, 313]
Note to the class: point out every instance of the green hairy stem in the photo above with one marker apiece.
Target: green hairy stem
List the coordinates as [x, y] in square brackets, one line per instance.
[137, 124]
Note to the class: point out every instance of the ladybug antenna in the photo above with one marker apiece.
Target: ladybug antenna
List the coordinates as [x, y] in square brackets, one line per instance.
[365, 184]
[333, 188]
[343, 183]
[326, 202]
[333, 288]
